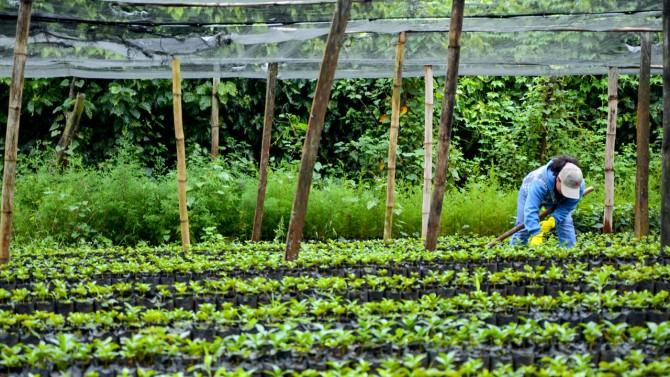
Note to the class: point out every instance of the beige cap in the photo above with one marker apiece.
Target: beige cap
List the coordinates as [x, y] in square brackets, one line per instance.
[571, 180]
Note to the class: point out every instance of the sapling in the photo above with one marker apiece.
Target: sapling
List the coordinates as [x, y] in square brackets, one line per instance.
[142, 289]
[5, 295]
[11, 357]
[41, 290]
[471, 367]
[615, 333]
[592, 332]
[20, 295]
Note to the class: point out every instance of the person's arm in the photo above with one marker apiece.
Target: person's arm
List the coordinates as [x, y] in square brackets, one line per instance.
[531, 211]
[567, 206]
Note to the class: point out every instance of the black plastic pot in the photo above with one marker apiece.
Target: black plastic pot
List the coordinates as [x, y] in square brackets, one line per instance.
[537, 291]
[657, 316]
[184, 302]
[167, 279]
[375, 296]
[516, 290]
[83, 306]
[522, 357]
[446, 292]
[636, 318]
[64, 307]
[250, 301]
[145, 302]
[45, 306]
[182, 277]
[360, 296]
[661, 286]
[24, 307]
[9, 339]
[207, 333]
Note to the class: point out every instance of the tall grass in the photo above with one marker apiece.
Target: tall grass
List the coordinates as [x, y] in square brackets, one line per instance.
[121, 202]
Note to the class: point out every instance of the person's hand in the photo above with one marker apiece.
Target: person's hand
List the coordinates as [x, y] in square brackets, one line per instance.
[537, 240]
[547, 225]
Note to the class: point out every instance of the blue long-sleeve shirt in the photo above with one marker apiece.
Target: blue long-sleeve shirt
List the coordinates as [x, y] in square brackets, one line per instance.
[540, 188]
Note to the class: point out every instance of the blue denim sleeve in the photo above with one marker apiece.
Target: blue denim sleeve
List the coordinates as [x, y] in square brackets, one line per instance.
[531, 211]
[567, 206]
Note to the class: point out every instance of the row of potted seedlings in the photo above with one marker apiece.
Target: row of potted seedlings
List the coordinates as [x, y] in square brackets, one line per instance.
[344, 308]
[403, 257]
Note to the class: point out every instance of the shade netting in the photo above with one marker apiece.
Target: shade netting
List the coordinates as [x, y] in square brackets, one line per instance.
[139, 38]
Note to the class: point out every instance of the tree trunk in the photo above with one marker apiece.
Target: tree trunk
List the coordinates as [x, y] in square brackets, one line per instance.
[393, 142]
[12, 134]
[612, 95]
[71, 126]
[215, 117]
[665, 179]
[181, 153]
[265, 149]
[315, 126]
[642, 175]
[428, 152]
[446, 121]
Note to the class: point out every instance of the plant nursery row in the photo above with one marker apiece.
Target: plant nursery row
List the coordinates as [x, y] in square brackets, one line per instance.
[343, 308]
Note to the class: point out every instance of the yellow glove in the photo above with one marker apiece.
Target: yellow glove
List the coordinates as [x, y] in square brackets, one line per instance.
[547, 225]
[537, 239]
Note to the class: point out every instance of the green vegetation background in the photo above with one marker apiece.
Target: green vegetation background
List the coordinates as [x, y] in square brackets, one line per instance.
[120, 187]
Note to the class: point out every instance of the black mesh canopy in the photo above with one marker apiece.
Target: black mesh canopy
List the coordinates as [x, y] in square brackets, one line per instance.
[139, 38]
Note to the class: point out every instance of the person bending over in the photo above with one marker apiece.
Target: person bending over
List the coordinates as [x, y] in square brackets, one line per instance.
[560, 185]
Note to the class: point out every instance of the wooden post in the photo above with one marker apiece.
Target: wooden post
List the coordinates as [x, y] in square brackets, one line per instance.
[12, 134]
[315, 126]
[612, 101]
[428, 152]
[71, 125]
[265, 149]
[181, 153]
[215, 117]
[642, 176]
[665, 175]
[393, 143]
[446, 121]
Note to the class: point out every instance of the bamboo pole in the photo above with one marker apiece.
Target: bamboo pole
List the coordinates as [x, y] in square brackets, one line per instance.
[393, 143]
[315, 126]
[71, 125]
[265, 149]
[215, 117]
[181, 153]
[665, 174]
[428, 152]
[642, 175]
[446, 121]
[12, 134]
[612, 101]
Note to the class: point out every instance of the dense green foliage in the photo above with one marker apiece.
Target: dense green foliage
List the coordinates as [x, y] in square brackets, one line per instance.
[509, 124]
[120, 186]
[119, 203]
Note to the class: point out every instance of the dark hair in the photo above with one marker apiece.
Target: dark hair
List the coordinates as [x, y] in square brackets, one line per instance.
[559, 162]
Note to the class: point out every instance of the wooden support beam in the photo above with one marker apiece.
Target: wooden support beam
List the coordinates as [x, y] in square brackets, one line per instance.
[71, 126]
[446, 122]
[612, 103]
[315, 125]
[428, 151]
[181, 153]
[642, 175]
[215, 117]
[665, 150]
[393, 142]
[12, 133]
[265, 149]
